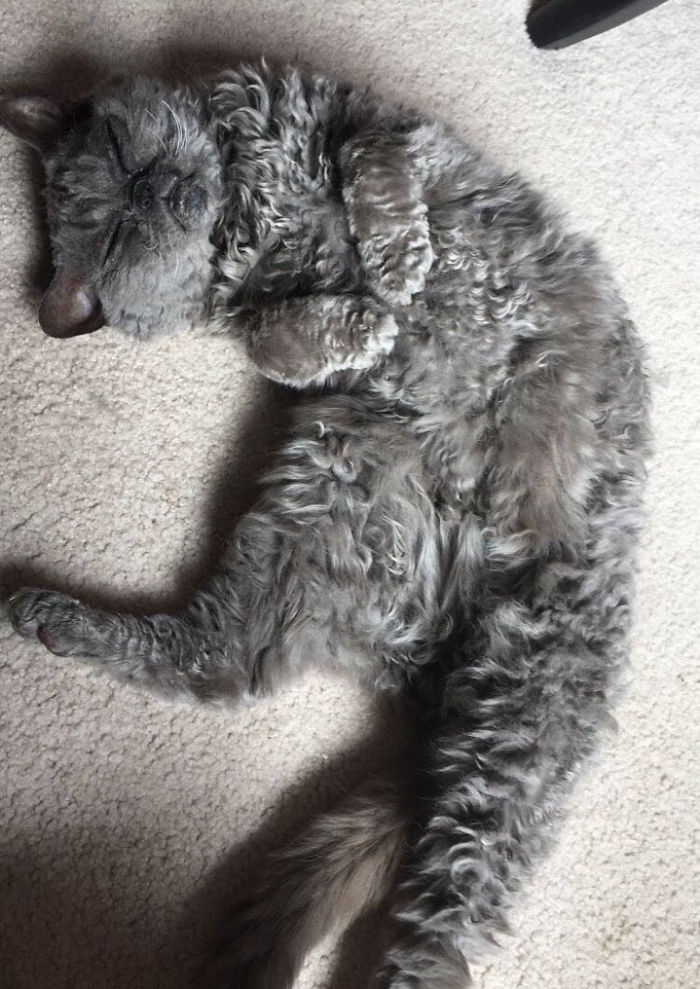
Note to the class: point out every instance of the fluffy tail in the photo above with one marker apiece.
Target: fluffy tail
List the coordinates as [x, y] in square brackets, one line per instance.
[343, 865]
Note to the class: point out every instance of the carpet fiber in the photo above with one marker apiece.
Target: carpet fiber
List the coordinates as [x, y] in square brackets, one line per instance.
[127, 822]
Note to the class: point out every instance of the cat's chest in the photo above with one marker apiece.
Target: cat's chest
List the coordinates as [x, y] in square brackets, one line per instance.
[288, 220]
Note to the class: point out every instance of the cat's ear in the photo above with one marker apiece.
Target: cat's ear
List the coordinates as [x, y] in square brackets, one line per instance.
[37, 120]
[70, 306]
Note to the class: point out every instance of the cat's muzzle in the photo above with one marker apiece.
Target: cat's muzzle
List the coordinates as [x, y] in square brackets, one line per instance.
[70, 306]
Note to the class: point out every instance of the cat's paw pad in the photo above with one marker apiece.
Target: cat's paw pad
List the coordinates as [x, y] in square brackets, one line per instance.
[55, 619]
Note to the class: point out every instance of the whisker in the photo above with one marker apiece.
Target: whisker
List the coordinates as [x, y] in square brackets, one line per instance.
[180, 128]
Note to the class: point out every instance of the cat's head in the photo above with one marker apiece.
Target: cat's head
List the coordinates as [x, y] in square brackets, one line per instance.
[133, 191]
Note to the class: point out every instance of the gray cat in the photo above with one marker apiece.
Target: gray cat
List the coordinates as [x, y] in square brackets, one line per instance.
[453, 520]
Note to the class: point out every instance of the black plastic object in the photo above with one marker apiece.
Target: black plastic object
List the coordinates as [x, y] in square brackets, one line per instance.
[559, 23]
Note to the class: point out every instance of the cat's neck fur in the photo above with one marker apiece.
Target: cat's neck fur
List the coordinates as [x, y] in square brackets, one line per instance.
[282, 230]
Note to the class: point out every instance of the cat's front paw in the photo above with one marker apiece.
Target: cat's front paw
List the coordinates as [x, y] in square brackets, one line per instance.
[396, 267]
[56, 620]
[375, 337]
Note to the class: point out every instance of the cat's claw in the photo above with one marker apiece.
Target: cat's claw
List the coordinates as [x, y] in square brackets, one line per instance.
[55, 619]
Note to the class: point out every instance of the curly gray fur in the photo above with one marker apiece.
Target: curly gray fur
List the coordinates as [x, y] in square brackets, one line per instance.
[454, 517]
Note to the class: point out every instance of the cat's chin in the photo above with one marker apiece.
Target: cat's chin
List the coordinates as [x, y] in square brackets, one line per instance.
[137, 329]
[90, 325]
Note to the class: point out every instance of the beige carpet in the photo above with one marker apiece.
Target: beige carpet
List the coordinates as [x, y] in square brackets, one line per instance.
[123, 819]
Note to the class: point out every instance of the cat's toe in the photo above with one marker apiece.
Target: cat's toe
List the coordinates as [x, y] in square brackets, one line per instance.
[48, 616]
[399, 291]
[25, 610]
[375, 339]
[381, 337]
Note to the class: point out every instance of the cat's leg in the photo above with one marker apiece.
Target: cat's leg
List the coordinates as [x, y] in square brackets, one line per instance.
[488, 822]
[489, 783]
[188, 653]
[524, 716]
[319, 572]
[392, 175]
[302, 341]
[388, 217]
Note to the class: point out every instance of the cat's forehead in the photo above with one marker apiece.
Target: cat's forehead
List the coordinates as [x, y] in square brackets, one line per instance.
[152, 118]
[139, 127]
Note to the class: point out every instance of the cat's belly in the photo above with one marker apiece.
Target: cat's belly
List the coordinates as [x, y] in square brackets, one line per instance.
[444, 402]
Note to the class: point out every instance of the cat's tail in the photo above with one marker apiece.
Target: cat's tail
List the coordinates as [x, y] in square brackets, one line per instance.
[341, 866]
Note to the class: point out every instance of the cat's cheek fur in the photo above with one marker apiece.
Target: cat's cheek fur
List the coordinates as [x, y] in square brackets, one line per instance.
[164, 295]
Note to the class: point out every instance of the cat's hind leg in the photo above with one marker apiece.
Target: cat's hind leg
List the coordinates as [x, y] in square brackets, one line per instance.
[324, 570]
[176, 653]
[524, 711]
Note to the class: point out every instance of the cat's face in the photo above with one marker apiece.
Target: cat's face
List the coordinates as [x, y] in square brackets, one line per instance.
[133, 191]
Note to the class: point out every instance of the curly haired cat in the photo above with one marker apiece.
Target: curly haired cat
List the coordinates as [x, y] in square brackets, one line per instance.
[454, 517]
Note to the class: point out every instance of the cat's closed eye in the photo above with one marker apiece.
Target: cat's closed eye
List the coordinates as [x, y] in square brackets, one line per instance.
[114, 147]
